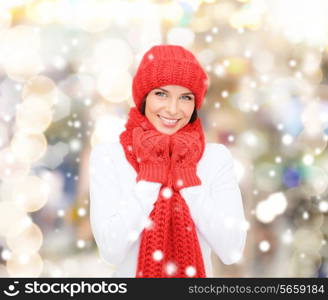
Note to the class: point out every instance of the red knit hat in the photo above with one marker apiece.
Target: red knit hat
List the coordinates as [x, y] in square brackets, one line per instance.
[169, 64]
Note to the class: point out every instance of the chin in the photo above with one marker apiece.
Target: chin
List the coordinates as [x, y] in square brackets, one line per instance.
[168, 132]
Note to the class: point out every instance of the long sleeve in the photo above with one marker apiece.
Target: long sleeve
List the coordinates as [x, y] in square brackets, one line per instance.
[217, 208]
[118, 211]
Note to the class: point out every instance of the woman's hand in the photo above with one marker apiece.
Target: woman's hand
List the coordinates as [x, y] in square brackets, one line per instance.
[186, 152]
[152, 151]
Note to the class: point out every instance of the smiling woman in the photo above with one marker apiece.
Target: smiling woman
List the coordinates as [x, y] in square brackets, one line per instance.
[181, 199]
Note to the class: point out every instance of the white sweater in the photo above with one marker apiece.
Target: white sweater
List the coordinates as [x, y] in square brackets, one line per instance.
[119, 207]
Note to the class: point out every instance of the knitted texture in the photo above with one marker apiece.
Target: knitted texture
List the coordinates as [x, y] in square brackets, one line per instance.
[152, 151]
[169, 245]
[169, 64]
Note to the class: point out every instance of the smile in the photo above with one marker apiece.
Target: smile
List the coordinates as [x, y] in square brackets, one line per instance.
[168, 121]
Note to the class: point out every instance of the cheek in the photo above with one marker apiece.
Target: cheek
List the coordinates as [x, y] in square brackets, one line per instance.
[188, 111]
[152, 105]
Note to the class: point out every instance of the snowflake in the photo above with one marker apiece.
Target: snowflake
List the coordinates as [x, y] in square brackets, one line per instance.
[77, 124]
[264, 246]
[6, 254]
[323, 206]
[179, 182]
[157, 255]
[149, 224]
[190, 271]
[244, 225]
[167, 192]
[170, 268]
[81, 212]
[60, 213]
[80, 244]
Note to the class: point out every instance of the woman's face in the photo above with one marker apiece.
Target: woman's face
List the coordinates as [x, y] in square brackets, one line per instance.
[169, 108]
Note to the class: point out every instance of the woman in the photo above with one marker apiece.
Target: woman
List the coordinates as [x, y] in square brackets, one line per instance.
[161, 198]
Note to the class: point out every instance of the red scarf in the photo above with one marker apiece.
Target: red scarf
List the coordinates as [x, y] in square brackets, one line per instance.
[170, 247]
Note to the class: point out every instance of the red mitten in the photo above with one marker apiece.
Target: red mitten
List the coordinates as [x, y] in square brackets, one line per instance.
[152, 152]
[186, 152]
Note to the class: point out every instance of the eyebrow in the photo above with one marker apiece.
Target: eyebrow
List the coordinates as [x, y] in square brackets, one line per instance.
[181, 94]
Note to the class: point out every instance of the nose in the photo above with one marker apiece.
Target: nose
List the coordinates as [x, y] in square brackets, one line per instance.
[172, 106]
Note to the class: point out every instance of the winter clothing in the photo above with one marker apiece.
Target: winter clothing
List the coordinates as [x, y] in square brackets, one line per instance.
[169, 64]
[120, 207]
[170, 246]
[172, 215]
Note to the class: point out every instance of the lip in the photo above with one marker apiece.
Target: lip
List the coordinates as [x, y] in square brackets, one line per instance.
[169, 125]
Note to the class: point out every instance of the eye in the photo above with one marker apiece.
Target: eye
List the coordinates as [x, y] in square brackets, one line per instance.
[188, 97]
[157, 93]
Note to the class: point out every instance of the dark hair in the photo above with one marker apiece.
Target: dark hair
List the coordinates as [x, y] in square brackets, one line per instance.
[143, 108]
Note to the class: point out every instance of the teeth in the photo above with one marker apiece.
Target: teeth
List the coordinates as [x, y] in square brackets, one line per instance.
[168, 121]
